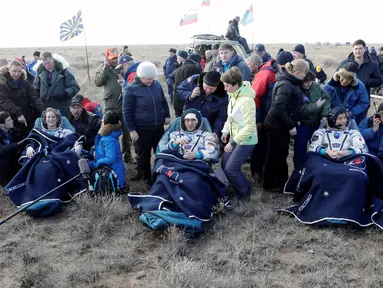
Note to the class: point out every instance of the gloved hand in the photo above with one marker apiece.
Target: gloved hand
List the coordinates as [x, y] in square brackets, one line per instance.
[293, 131]
[30, 152]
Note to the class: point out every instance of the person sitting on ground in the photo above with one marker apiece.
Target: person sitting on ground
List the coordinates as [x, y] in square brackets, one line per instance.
[54, 83]
[233, 34]
[299, 52]
[51, 120]
[84, 122]
[228, 59]
[206, 93]
[347, 91]
[371, 129]
[8, 148]
[107, 147]
[320, 75]
[190, 140]
[239, 133]
[18, 97]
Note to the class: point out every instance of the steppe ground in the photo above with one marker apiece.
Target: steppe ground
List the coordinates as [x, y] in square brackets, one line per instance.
[102, 244]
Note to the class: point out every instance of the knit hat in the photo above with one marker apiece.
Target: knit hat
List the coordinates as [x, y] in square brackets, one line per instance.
[351, 67]
[111, 53]
[309, 77]
[212, 78]
[300, 48]
[318, 69]
[195, 57]
[77, 100]
[173, 50]
[36, 53]
[284, 57]
[3, 115]
[147, 70]
[183, 54]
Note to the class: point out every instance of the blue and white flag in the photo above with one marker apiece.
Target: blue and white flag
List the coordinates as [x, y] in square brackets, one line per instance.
[71, 28]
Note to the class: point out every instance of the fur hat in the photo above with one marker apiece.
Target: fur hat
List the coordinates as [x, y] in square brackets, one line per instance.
[147, 70]
[212, 78]
[300, 48]
[183, 54]
[284, 57]
[342, 72]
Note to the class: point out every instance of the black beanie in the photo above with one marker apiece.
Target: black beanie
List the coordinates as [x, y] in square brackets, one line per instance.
[195, 57]
[284, 57]
[77, 100]
[300, 48]
[351, 67]
[212, 78]
[183, 54]
[3, 115]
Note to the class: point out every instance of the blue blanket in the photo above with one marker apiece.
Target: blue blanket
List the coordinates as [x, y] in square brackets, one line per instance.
[346, 191]
[53, 164]
[187, 186]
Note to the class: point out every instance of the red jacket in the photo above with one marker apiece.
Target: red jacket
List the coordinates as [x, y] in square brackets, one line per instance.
[89, 105]
[262, 81]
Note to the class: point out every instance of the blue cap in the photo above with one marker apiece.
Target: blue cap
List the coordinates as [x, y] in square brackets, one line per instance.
[124, 59]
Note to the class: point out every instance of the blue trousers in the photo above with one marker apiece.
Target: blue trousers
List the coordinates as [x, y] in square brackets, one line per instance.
[231, 165]
[170, 92]
[304, 134]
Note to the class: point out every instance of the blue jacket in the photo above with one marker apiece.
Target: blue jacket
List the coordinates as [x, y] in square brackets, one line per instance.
[30, 66]
[144, 107]
[108, 151]
[374, 140]
[237, 61]
[169, 66]
[214, 107]
[353, 97]
[368, 72]
[128, 74]
[267, 57]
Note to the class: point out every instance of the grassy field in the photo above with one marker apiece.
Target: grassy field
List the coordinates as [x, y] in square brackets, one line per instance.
[101, 243]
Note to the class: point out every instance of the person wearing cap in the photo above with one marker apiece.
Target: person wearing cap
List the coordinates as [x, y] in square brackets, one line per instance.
[281, 120]
[189, 67]
[9, 137]
[18, 97]
[128, 69]
[233, 34]
[229, 58]
[206, 93]
[347, 91]
[145, 112]
[239, 133]
[54, 82]
[316, 105]
[111, 80]
[368, 70]
[36, 57]
[320, 75]
[190, 140]
[261, 51]
[371, 129]
[84, 122]
[299, 52]
[169, 67]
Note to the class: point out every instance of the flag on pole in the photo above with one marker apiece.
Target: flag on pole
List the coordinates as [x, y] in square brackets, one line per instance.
[205, 3]
[190, 17]
[248, 16]
[71, 28]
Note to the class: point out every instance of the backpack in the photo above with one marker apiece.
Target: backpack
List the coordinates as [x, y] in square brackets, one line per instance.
[104, 181]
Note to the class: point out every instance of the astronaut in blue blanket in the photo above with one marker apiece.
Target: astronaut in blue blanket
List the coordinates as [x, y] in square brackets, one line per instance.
[191, 141]
[336, 140]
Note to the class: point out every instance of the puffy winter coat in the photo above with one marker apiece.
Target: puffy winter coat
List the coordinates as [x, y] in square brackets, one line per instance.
[236, 61]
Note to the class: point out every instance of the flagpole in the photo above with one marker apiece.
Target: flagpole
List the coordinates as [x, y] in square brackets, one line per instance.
[87, 57]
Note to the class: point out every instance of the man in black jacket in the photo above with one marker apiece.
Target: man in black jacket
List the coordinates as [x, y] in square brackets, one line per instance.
[84, 122]
[8, 148]
[190, 66]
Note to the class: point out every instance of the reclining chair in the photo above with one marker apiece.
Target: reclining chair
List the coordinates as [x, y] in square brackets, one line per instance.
[65, 124]
[175, 126]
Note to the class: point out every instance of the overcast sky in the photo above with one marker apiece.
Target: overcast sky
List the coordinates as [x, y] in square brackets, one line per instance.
[37, 23]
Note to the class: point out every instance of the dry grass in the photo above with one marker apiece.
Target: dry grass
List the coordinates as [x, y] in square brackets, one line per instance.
[101, 243]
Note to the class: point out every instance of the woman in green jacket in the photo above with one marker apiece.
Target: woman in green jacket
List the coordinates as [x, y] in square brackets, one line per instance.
[316, 105]
[239, 132]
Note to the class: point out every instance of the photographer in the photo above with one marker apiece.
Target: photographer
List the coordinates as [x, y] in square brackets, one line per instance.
[372, 131]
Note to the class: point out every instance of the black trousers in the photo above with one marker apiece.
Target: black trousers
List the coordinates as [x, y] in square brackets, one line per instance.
[126, 143]
[147, 141]
[275, 171]
[178, 112]
[258, 156]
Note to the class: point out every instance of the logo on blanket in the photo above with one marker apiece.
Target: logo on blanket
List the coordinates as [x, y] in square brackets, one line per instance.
[358, 163]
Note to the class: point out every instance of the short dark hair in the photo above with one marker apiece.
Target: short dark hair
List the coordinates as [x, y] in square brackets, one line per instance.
[226, 46]
[111, 117]
[232, 76]
[359, 42]
[3, 116]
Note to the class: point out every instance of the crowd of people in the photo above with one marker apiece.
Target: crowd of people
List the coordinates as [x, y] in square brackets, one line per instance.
[252, 107]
